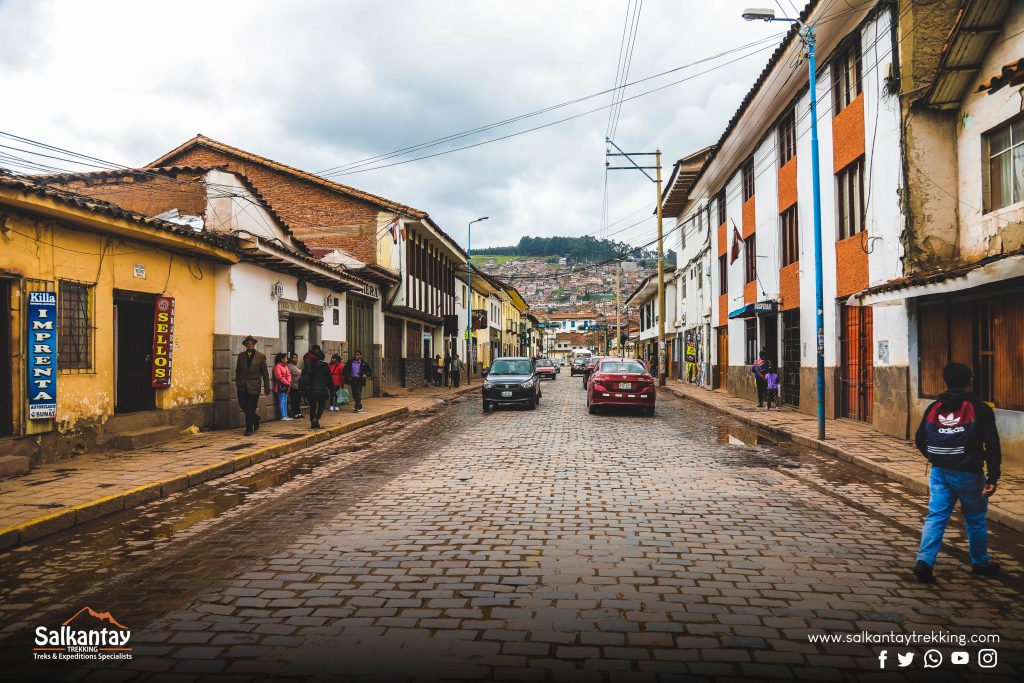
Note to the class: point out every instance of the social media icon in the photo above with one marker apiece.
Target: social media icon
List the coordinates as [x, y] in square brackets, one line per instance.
[932, 659]
[987, 658]
[959, 658]
[881, 658]
[906, 659]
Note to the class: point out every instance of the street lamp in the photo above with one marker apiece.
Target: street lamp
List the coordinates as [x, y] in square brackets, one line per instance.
[807, 35]
[469, 292]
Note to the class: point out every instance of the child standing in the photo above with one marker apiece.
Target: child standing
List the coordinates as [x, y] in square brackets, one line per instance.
[772, 380]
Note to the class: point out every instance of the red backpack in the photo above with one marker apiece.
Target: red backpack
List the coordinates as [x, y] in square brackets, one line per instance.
[947, 434]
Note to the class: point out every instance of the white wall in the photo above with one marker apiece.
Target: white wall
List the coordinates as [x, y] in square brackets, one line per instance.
[244, 304]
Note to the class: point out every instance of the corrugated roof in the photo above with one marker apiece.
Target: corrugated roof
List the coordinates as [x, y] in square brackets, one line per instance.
[684, 173]
[976, 25]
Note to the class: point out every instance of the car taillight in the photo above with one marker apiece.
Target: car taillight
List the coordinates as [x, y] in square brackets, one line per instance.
[600, 387]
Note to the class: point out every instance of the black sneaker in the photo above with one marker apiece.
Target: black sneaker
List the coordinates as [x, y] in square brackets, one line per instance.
[248, 431]
[985, 569]
[923, 572]
[256, 425]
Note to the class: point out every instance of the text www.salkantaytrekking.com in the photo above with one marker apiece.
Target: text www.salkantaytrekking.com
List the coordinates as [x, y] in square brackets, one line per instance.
[904, 638]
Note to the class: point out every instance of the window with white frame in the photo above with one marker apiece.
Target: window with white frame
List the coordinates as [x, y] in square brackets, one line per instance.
[1005, 165]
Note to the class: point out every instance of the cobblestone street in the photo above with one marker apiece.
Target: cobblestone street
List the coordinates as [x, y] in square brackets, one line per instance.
[520, 545]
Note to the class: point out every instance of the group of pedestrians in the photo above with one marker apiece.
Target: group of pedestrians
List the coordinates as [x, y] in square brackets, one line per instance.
[321, 384]
[448, 371]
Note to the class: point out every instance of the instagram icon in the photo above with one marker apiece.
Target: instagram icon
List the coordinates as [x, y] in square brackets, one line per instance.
[987, 658]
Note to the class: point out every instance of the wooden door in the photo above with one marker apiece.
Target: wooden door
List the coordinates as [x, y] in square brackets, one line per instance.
[723, 356]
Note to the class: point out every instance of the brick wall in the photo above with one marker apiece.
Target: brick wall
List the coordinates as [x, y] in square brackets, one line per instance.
[148, 195]
[318, 216]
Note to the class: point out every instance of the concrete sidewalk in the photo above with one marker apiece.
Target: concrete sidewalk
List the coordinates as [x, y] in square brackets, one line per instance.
[60, 495]
[887, 456]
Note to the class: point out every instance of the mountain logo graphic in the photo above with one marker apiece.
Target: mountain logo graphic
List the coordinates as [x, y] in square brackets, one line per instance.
[101, 616]
[949, 420]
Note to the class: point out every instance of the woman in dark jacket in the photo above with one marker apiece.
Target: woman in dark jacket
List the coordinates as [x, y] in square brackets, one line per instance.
[316, 384]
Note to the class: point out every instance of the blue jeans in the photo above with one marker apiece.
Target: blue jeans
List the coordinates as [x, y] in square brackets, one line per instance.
[948, 486]
[282, 403]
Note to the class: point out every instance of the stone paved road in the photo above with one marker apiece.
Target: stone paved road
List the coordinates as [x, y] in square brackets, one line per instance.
[518, 545]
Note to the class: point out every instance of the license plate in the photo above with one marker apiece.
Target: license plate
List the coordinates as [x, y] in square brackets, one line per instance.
[506, 394]
[624, 385]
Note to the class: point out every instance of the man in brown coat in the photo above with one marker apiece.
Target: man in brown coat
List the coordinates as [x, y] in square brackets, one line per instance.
[250, 371]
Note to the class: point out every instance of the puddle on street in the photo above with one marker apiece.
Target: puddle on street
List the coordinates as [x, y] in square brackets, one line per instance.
[738, 435]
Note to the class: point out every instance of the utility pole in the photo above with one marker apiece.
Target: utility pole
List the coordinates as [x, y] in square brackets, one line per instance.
[661, 242]
[807, 36]
[618, 319]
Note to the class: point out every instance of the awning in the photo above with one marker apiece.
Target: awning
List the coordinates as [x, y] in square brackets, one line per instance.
[994, 269]
[755, 309]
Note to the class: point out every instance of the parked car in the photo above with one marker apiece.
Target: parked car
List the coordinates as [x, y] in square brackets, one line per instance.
[513, 381]
[545, 367]
[578, 365]
[621, 382]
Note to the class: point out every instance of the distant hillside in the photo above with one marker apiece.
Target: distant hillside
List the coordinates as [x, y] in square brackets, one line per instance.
[584, 249]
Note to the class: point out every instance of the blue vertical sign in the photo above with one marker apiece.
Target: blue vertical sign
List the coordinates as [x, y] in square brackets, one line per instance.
[42, 355]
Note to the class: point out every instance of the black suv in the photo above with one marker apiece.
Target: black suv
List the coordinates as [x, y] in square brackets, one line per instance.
[511, 380]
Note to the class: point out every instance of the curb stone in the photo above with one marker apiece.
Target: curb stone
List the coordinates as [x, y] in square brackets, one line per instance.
[61, 520]
[914, 485]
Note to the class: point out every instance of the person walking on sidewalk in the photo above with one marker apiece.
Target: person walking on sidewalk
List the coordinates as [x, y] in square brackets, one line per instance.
[457, 366]
[282, 384]
[958, 436]
[437, 370]
[316, 383]
[447, 369]
[355, 373]
[250, 374]
[760, 368]
[337, 380]
[772, 383]
[294, 396]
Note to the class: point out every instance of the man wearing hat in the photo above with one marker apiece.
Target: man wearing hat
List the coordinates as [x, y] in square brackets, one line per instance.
[250, 370]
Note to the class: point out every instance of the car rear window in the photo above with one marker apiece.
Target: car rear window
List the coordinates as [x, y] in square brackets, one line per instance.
[623, 366]
[511, 367]
[544, 363]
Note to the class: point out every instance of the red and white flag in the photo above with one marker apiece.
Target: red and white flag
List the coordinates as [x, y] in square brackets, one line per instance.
[736, 239]
[393, 229]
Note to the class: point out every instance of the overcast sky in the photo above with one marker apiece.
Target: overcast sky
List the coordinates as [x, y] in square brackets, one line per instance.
[321, 84]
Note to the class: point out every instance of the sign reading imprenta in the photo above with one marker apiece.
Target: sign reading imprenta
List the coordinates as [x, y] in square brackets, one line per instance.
[42, 355]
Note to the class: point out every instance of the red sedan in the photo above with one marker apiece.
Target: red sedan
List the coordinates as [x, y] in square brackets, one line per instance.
[621, 382]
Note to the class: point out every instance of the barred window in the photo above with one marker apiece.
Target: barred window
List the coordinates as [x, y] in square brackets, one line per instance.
[790, 236]
[74, 335]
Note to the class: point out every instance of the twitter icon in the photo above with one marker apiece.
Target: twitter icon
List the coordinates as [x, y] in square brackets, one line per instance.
[905, 660]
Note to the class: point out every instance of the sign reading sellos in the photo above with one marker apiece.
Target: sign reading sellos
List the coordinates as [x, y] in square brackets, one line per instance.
[163, 341]
[42, 355]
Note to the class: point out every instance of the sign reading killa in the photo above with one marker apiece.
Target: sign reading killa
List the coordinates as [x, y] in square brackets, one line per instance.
[163, 341]
[42, 355]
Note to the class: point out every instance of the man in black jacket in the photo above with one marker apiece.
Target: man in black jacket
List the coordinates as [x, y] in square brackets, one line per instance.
[356, 372]
[958, 436]
[317, 384]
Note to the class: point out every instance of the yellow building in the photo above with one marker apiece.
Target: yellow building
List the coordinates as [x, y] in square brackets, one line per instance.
[514, 309]
[131, 303]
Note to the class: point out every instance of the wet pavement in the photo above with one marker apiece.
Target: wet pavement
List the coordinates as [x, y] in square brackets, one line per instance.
[520, 545]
